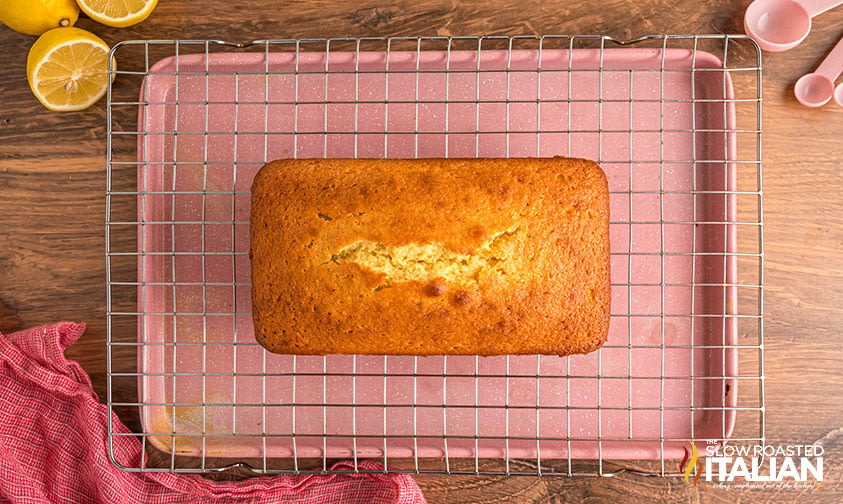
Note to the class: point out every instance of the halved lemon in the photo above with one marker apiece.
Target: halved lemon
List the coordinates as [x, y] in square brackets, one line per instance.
[119, 13]
[67, 69]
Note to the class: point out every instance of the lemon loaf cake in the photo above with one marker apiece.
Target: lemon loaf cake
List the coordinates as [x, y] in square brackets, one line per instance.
[430, 256]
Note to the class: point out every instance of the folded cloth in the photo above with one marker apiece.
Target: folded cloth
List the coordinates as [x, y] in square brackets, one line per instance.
[53, 444]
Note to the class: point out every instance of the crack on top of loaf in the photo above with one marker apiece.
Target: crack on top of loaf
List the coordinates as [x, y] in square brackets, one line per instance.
[426, 261]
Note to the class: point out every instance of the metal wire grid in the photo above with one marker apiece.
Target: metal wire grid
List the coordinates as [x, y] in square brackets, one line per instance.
[126, 212]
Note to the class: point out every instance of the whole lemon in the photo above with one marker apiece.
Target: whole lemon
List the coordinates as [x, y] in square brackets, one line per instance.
[34, 17]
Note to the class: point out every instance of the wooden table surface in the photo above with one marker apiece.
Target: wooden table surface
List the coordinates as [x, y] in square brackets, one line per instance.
[52, 205]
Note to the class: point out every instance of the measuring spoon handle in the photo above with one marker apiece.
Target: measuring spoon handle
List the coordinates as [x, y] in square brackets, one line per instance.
[817, 7]
[832, 65]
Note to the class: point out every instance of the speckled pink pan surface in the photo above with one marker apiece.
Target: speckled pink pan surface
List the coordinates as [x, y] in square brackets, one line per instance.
[655, 126]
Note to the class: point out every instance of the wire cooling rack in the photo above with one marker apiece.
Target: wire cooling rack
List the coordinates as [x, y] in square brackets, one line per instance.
[675, 121]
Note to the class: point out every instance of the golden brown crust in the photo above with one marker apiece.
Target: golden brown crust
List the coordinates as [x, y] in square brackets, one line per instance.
[329, 238]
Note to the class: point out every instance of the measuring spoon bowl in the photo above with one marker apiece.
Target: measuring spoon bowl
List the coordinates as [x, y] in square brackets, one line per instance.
[779, 25]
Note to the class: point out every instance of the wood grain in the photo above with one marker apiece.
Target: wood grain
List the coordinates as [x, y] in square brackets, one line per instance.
[52, 181]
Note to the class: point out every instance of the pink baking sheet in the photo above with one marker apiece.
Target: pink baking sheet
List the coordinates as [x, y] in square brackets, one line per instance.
[662, 377]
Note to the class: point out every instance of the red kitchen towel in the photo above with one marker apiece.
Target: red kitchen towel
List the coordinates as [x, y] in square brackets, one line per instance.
[53, 444]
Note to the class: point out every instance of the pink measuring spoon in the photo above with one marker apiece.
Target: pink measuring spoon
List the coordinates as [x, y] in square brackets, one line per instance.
[817, 88]
[779, 25]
